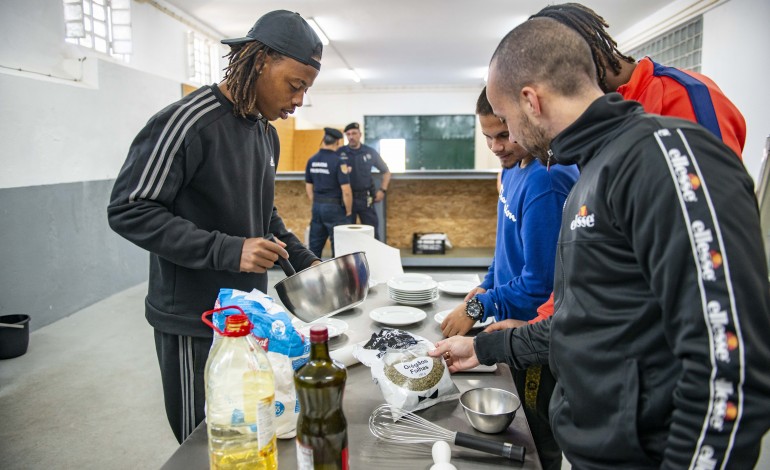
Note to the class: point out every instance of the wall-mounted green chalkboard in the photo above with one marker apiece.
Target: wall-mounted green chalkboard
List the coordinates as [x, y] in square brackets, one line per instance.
[441, 142]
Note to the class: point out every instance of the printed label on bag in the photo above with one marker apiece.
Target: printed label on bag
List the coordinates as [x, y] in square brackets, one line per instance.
[415, 369]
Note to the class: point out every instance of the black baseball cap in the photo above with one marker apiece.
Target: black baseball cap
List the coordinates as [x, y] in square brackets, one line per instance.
[286, 32]
[352, 125]
[334, 133]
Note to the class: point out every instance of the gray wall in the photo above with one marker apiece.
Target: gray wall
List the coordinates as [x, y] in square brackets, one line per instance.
[58, 253]
[62, 148]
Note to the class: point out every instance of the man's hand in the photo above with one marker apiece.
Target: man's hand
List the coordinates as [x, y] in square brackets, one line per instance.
[474, 292]
[458, 353]
[504, 325]
[457, 322]
[379, 195]
[258, 255]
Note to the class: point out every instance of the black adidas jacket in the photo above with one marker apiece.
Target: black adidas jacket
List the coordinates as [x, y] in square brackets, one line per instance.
[662, 310]
[197, 182]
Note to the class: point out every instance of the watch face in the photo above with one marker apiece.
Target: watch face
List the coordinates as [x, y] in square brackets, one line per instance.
[473, 309]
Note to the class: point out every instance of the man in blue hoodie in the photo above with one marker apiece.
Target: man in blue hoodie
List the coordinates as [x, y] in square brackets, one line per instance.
[521, 275]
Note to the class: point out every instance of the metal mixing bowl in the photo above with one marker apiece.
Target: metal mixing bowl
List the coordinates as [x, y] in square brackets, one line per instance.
[327, 288]
[490, 410]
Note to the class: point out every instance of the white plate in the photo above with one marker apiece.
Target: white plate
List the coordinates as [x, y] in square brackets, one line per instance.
[416, 302]
[417, 276]
[334, 326]
[426, 295]
[457, 287]
[411, 284]
[439, 317]
[396, 315]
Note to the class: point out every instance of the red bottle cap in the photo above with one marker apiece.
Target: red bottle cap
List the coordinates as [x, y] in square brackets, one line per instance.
[319, 334]
[237, 325]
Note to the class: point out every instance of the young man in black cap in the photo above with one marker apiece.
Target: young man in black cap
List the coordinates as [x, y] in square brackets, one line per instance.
[659, 338]
[328, 187]
[361, 159]
[197, 192]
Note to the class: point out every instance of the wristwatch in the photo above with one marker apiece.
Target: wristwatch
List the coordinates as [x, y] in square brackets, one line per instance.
[474, 309]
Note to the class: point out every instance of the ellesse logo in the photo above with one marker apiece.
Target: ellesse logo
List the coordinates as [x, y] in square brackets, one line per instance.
[688, 182]
[582, 219]
[710, 259]
[723, 408]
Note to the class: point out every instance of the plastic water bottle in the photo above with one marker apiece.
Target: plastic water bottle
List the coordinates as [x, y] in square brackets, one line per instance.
[322, 430]
[240, 399]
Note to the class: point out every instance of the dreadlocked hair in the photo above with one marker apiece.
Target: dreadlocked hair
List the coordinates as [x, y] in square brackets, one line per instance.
[591, 26]
[245, 65]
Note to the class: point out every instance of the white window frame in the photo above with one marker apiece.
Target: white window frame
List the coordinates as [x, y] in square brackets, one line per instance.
[678, 47]
[101, 25]
[202, 59]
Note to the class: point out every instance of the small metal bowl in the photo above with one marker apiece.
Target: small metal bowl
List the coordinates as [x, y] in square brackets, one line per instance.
[327, 288]
[490, 410]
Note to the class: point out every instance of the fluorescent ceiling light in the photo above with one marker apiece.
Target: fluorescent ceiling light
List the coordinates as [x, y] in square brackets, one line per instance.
[318, 31]
[354, 76]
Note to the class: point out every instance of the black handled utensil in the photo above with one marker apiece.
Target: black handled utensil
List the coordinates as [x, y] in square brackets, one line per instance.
[288, 269]
[396, 425]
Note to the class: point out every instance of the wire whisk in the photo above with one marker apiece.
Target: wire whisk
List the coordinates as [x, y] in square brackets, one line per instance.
[393, 424]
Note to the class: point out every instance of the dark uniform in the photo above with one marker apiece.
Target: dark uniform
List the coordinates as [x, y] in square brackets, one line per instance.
[327, 172]
[361, 161]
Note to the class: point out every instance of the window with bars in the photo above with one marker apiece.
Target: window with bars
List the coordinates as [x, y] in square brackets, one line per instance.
[101, 25]
[679, 47]
[202, 59]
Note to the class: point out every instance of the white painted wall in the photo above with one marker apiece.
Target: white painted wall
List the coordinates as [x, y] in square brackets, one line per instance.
[736, 37]
[44, 126]
[56, 130]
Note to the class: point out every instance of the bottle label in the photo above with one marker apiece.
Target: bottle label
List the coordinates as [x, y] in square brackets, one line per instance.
[305, 457]
[265, 426]
[415, 369]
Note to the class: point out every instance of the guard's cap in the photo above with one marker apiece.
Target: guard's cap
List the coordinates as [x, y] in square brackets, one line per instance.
[287, 33]
[352, 125]
[334, 133]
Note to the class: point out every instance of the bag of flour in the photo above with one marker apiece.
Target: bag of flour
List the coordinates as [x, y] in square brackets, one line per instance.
[287, 349]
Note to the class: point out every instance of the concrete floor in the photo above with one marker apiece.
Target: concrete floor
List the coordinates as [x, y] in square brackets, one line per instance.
[87, 394]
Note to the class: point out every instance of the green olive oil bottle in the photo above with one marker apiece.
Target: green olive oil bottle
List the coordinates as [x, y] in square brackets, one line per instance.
[322, 430]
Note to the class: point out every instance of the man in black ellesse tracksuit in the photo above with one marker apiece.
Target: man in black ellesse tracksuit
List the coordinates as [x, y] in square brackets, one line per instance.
[659, 340]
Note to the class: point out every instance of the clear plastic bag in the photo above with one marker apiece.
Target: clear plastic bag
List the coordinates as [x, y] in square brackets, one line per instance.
[408, 378]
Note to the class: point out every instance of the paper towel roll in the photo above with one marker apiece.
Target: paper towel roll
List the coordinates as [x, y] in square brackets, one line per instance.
[347, 238]
[367, 230]
[384, 261]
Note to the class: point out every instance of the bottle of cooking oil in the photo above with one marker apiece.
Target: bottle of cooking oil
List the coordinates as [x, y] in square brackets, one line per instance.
[322, 431]
[240, 400]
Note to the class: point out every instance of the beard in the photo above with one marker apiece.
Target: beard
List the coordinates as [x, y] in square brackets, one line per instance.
[534, 139]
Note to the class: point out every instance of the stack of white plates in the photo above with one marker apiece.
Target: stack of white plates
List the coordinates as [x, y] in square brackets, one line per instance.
[413, 289]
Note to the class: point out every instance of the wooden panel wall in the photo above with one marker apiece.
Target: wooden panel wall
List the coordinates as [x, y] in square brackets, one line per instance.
[466, 210]
[306, 144]
[285, 130]
[293, 206]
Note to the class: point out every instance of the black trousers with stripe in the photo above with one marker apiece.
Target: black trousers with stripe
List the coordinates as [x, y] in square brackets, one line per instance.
[535, 386]
[182, 361]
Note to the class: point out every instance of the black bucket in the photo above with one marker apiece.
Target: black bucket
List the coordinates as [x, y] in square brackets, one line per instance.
[14, 341]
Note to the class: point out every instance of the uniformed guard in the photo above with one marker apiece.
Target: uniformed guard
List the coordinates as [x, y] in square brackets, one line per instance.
[328, 187]
[361, 158]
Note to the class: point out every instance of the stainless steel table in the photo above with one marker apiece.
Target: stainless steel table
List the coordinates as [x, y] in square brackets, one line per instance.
[362, 396]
